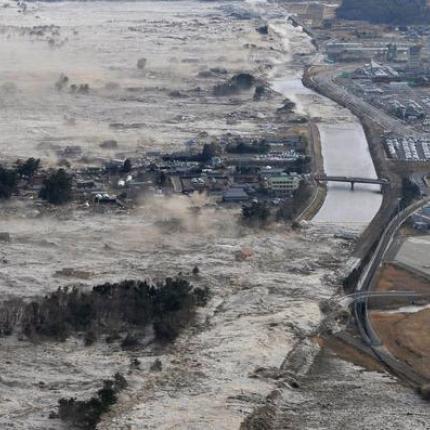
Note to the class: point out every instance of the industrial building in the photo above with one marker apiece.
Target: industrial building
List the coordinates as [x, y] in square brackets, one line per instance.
[282, 185]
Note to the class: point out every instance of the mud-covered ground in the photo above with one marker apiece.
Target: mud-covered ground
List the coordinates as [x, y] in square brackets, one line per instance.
[261, 309]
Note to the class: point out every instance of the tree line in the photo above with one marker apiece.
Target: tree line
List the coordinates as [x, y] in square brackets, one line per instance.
[56, 187]
[117, 310]
[86, 414]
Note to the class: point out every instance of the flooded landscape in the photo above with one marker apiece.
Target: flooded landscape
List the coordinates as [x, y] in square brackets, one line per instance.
[75, 75]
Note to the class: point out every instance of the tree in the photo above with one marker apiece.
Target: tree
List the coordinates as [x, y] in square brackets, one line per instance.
[86, 414]
[126, 168]
[209, 151]
[28, 168]
[258, 147]
[257, 213]
[8, 181]
[126, 308]
[57, 188]
[161, 178]
[410, 192]
[285, 211]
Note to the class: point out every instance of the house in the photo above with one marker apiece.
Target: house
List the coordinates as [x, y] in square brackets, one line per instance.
[235, 194]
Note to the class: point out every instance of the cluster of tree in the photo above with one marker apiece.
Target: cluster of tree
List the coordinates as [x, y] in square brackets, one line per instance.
[288, 106]
[8, 182]
[238, 83]
[302, 164]
[64, 81]
[209, 151]
[109, 309]
[257, 147]
[385, 11]
[256, 214]
[86, 414]
[288, 210]
[127, 166]
[27, 168]
[410, 192]
[9, 177]
[57, 188]
[424, 391]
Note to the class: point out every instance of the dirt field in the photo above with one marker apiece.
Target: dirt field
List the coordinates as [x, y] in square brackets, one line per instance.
[349, 353]
[407, 337]
[394, 278]
[404, 331]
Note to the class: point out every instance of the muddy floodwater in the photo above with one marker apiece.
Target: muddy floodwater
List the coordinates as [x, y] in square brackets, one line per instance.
[264, 309]
[99, 44]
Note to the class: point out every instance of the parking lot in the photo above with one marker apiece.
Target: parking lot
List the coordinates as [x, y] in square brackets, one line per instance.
[408, 148]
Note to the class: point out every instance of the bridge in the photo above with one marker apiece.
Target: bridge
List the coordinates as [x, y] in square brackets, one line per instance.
[361, 296]
[352, 180]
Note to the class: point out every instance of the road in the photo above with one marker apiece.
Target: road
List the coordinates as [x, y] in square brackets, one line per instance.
[322, 80]
[364, 295]
[366, 284]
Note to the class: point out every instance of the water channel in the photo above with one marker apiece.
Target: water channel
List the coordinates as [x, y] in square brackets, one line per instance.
[343, 144]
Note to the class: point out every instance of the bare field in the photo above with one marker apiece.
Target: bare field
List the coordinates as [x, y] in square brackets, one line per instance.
[394, 278]
[406, 336]
[403, 329]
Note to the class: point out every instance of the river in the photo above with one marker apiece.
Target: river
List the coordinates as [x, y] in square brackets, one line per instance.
[343, 142]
